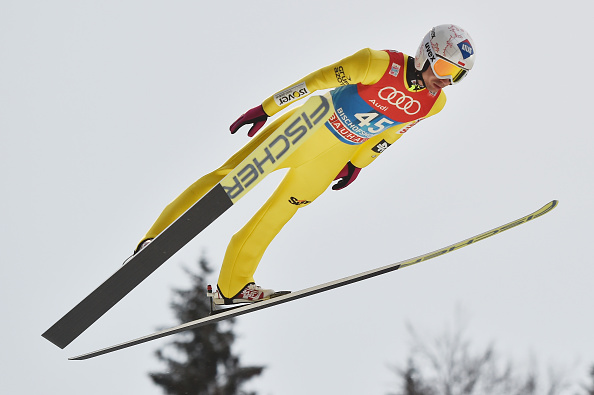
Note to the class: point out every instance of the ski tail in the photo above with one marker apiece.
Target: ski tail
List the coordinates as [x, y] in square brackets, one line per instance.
[143, 264]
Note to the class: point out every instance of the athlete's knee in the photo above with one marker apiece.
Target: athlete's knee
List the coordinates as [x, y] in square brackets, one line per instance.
[213, 177]
[221, 172]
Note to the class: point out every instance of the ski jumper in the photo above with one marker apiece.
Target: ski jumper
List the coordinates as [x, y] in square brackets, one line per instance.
[375, 101]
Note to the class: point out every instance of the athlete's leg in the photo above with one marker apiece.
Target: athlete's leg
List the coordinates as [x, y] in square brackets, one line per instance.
[308, 177]
[199, 188]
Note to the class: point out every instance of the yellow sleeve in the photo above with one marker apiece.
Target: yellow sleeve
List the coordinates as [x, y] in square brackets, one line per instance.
[366, 66]
[373, 147]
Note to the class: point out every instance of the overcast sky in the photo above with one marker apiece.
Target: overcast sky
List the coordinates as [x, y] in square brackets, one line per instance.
[108, 110]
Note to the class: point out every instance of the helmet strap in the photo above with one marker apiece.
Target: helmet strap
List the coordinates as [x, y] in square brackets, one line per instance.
[426, 66]
[415, 76]
[419, 76]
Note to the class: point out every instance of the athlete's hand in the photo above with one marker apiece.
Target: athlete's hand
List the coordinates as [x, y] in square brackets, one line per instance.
[255, 116]
[346, 176]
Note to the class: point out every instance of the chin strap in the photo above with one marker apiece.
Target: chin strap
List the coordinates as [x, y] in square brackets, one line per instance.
[416, 77]
[418, 83]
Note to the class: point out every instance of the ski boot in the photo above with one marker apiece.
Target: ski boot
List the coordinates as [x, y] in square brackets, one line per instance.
[143, 244]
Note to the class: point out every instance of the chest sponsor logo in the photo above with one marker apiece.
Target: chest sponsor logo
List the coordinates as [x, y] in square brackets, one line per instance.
[344, 132]
[399, 100]
[290, 94]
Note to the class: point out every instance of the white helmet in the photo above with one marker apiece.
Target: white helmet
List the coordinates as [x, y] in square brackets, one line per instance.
[449, 50]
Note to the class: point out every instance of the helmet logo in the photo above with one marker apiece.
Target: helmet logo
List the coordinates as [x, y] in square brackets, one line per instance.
[429, 52]
[466, 49]
[401, 101]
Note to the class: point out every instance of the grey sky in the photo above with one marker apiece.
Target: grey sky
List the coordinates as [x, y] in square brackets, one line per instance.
[109, 109]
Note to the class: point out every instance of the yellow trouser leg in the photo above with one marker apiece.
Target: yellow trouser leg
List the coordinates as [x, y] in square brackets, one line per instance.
[184, 201]
[311, 170]
[198, 189]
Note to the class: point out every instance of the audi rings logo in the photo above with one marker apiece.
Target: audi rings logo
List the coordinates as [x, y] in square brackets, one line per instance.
[398, 99]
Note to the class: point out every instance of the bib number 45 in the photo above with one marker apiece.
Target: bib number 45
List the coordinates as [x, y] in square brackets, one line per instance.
[366, 120]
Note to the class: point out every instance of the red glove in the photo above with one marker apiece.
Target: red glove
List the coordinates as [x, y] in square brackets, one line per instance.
[347, 175]
[255, 116]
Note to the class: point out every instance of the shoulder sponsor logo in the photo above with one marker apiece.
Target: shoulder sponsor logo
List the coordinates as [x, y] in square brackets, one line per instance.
[395, 70]
[341, 76]
[290, 94]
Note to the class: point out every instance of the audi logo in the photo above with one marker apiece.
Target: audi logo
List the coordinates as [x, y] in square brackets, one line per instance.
[398, 99]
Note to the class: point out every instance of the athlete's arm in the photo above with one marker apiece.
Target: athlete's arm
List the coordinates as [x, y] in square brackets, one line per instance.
[366, 66]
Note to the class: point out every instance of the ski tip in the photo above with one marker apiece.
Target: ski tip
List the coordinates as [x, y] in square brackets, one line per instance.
[551, 205]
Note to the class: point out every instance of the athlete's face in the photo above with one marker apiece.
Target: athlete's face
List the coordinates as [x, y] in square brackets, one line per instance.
[433, 83]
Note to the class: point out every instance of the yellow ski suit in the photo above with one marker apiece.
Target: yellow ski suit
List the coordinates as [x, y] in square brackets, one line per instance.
[376, 101]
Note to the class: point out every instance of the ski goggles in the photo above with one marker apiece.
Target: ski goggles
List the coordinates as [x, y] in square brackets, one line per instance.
[444, 69]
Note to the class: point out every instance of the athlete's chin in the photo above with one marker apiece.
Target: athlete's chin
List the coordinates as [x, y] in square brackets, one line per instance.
[436, 87]
[433, 88]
